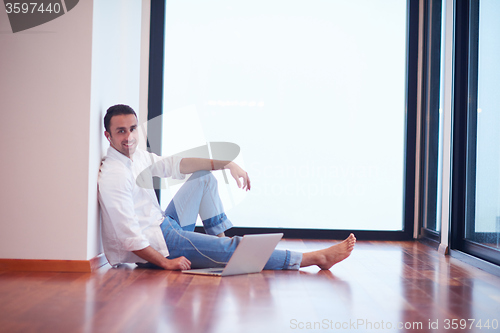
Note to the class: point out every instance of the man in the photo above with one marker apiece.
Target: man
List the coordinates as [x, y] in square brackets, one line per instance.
[136, 230]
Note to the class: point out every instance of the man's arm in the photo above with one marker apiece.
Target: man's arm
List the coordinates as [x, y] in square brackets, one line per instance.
[151, 255]
[190, 165]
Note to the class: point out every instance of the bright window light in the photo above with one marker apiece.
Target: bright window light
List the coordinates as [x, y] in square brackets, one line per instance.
[313, 93]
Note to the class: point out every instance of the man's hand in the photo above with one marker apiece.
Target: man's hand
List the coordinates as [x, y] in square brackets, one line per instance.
[237, 172]
[151, 255]
[177, 264]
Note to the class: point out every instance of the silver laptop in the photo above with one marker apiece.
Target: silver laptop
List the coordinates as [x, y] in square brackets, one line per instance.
[250, 256]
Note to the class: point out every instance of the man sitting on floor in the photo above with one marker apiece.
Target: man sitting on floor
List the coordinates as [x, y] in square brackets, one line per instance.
[136, 230]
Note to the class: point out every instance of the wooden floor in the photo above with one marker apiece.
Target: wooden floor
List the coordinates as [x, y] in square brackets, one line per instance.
[382, 286]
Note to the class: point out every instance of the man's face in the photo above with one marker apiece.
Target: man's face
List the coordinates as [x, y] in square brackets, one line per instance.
[123, 134]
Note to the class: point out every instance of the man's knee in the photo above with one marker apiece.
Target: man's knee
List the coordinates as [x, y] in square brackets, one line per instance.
[203, 175]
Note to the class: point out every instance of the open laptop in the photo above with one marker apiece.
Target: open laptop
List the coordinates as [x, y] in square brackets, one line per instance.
[250, 256]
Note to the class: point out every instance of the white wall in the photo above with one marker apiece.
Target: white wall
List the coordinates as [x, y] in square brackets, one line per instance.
[116, 79]
[45, 102]
[56, 81]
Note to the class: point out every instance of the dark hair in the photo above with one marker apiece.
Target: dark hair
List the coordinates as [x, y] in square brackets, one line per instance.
[116, 110]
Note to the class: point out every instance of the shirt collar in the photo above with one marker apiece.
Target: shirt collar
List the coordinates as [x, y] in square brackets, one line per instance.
[115, 154]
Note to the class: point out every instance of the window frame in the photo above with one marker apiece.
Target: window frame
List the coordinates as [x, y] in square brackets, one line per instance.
[430, 103]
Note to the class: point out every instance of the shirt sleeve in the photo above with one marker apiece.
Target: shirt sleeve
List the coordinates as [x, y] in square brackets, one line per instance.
[116, 195]
[166, 167]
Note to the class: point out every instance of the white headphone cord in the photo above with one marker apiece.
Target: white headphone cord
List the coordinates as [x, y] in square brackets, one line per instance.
[194, 246]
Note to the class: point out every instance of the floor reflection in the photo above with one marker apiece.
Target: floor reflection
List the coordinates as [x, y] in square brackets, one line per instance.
[394, 283]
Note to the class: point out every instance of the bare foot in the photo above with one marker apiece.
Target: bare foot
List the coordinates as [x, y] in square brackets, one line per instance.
[330, 256]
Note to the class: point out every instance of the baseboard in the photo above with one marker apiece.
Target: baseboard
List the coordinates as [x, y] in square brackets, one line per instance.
[34, 265]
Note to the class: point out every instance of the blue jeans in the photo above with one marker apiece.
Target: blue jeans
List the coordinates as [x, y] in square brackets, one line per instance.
[199, 195]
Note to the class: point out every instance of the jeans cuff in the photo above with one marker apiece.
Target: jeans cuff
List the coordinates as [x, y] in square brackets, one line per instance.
[292, 260]
[217, 224]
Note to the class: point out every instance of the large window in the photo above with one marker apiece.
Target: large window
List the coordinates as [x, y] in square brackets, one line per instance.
[483, 218]
[311, 92]
[476, 156]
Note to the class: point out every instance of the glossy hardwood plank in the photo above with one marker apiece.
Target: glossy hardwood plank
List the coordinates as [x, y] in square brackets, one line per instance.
[381, 283]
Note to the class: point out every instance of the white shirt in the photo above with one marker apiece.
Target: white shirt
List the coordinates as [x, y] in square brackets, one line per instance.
[131, 215]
